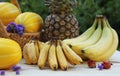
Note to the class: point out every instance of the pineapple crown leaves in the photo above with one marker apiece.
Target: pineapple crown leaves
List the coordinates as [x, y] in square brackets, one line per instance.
[59, 6]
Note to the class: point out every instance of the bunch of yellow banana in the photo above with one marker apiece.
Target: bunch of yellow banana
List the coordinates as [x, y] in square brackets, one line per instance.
[99, 44]
[31, 51]
[106, 45]
[57, 54]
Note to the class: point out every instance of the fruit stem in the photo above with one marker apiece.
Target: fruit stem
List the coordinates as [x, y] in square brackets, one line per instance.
[99, 16]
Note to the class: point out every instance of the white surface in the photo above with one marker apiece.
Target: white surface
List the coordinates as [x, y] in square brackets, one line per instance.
[79, 70]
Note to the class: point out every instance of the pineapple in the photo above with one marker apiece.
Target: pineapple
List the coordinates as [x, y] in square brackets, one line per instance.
[61, 23]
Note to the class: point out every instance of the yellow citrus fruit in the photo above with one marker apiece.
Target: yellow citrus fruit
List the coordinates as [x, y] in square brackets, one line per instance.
[31, 21]
[10, 53]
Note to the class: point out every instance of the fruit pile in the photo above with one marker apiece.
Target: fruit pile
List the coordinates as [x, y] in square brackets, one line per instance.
[98, 43]
[32, 22]
[26, 22]
[15, 22]
[55, 52]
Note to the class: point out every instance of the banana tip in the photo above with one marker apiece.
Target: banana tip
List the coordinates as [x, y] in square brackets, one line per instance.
[83, 51]
[70, 45]
[40, 67]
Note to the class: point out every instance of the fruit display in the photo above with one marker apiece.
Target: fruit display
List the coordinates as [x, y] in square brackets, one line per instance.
[10, 53]
[31, 21]
[8, 12]
[31, 51]
[57, 54]
[100, 45]
[61, 23]
[62, 47]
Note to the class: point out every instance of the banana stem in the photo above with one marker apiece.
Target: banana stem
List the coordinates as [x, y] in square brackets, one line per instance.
[107, 23]
[99, 23]
[104, 22]
[95, 22]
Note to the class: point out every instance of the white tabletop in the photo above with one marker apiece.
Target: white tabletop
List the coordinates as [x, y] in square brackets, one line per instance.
[79, 70]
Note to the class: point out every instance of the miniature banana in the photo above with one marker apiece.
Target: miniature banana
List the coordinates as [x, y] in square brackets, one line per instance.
[83, 36]
[43, 55]
[61, 57]
[37, 49]
[77, 47]
[25, 54]
[101, 46]
[31, 53]
[70, 54]
[52, 58]
[107, 54]
[40, 45]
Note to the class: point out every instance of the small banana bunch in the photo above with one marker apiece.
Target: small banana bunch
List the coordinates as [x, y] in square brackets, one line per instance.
[31, 51]
[57, 54]
[98, 43]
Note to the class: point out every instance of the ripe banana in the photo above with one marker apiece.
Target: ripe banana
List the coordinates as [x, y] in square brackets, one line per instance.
[61, 57]
[43, 55]
[37, 49]
[71, 56]
[77, 47]
[83, 36]
[52, 58]
[107, 54]
[40, 45]
[25, 54]
[30, 53]
[102, 45]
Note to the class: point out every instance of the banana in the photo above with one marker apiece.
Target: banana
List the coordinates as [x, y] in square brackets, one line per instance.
[71, 56]
[40, 45]
[77, 47]
[30, 53]
[101, 46]
[52, 58]
[61, 57]
[36, 48]
[43, 55]
[25, 54]
[107, 54]
[83, 36]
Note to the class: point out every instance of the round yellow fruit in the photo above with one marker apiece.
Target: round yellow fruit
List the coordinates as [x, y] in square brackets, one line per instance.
[10, 53]
[8, 12]
[31, 21]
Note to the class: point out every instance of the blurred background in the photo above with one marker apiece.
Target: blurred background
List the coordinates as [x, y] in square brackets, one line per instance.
[85, 12]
